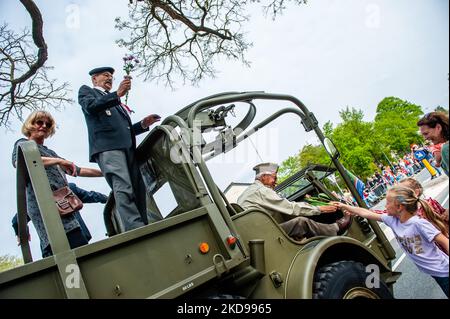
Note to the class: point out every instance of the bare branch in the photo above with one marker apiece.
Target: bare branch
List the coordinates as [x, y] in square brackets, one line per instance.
[24, 83]
[186, 37]
[38, 39]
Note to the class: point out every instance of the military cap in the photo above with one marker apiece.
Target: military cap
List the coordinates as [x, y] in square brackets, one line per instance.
[265, 168]
[101, 70]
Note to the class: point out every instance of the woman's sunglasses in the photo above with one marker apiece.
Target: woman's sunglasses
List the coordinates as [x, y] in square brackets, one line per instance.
[41, 123]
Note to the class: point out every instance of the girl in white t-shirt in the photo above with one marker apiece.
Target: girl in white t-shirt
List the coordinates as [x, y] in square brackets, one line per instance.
[416, 236]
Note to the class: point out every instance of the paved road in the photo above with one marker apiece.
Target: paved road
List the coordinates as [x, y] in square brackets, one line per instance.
[414, 284]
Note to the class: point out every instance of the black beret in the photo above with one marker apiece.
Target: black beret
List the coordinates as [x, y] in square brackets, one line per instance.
[101, 69]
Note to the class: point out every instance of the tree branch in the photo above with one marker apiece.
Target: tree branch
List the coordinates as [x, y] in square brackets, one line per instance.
[186, 37]
[38, 38]
[33, 89]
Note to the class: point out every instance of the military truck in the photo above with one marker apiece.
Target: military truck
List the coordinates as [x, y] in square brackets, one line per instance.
[204, 246]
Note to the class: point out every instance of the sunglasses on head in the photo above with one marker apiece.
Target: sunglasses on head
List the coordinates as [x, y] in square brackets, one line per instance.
[430, 119]
[41, 123]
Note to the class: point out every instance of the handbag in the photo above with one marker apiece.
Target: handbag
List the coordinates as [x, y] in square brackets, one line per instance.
[66, 201]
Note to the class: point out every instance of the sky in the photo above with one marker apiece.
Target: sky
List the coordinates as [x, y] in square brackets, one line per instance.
[330, 54]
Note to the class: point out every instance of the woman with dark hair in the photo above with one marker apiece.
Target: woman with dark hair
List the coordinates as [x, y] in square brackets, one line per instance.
[434, 127]
[38, 127]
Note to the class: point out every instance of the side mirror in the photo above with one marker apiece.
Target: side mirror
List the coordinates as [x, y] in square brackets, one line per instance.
[331, 148]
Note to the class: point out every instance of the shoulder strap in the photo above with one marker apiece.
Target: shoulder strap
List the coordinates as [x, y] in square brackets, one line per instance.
[62, 174]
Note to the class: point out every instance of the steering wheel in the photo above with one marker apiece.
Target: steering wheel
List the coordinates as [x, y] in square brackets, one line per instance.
[218, 115]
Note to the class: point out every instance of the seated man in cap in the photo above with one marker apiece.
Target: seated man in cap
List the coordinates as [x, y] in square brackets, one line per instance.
[112, 143]
[260, 195]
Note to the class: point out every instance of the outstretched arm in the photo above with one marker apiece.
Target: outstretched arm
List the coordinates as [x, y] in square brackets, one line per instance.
[66, 165]
[271, 201]
[143, 126]
[358, 211]
[327, 209]
[71, 168]
[90, 172]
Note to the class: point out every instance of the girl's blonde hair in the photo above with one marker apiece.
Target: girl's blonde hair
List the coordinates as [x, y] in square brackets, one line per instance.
[413, 183]
[405, 196]
[27, 126]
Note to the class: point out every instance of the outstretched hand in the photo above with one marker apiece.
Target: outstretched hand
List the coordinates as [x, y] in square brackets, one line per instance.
[150, 119]
[328, 209]
[342, 207]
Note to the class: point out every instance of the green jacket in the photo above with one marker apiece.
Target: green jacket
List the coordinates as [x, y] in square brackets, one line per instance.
[444, 161]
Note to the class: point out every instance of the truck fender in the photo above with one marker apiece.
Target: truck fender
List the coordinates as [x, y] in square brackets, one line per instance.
[300, 276]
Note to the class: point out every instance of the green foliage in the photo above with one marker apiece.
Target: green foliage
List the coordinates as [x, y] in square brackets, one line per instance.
[313, 154]
[365, 145]
[354, 140]
[327, 129]
[288, 168]
[396, 124]
[441, 109]
[310, 154]
[8, 262]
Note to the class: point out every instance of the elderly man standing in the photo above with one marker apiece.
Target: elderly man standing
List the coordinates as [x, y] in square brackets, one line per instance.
[434, 127]
[112, 143]
[260, 195]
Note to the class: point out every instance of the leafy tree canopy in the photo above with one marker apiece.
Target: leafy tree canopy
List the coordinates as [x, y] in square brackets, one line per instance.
[396, 124]
[441, 109]
[8, 262]
[365, 145]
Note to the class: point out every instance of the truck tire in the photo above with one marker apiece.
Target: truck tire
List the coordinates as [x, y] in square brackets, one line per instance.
[346, 280]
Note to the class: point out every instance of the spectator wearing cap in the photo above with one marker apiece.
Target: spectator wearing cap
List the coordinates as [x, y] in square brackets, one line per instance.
[112, 143]
[434, 128]
[261, 196]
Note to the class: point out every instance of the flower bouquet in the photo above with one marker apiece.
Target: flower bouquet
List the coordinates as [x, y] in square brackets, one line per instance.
[129, 64]
[320, 200]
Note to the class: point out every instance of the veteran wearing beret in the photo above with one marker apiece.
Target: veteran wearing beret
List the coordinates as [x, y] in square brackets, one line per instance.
[112, 143]
[261, 196]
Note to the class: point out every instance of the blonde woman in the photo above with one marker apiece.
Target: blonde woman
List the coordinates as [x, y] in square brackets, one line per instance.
[39, 126]
[416, 236]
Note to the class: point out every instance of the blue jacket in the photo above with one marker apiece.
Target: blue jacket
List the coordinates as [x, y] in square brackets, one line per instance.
[109, 125]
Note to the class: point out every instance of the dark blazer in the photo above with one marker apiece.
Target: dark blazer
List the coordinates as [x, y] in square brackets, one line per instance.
[109, 125]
